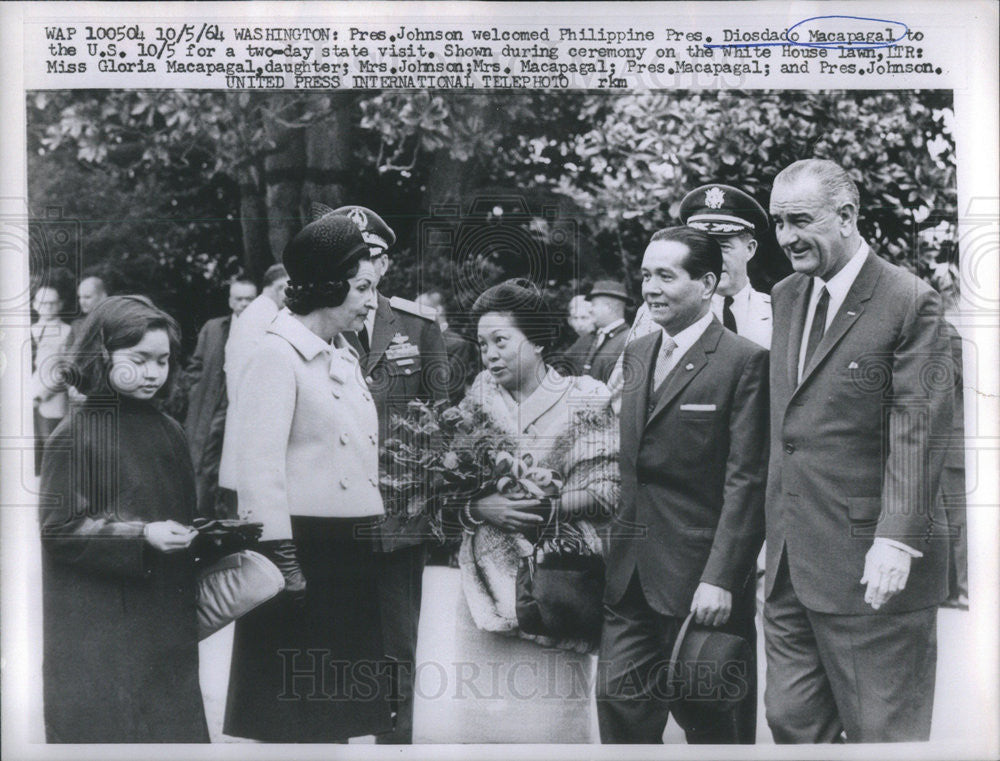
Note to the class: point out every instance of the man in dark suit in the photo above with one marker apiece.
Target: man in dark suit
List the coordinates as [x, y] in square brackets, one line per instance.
[404, 358]
[607, 309]
[205, 382]
[693, 462]
[861, 403]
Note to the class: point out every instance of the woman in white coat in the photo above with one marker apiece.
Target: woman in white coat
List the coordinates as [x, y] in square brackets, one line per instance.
[306, 666]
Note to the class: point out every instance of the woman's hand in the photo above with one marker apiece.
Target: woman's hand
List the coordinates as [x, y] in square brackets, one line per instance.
[506, 514]
[169, 536]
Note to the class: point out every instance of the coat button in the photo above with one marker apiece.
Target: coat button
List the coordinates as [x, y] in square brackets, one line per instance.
[369, 379]
[335, 392]
[368, 397]
[343, 483]
[789, 448]
[372, 481]
[407, 371]
[344, 438]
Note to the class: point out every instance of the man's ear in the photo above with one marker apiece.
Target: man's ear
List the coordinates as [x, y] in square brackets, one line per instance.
[848, 216]
[710, 282]
[382, 265]
[751, 248]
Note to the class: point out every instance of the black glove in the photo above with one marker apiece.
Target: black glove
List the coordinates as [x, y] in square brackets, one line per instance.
[281, 552]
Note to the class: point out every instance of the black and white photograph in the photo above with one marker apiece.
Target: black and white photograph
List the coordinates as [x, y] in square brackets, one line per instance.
[429, 414]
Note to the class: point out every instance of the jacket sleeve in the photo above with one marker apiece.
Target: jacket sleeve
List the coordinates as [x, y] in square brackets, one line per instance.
[920, 415]
[79, 504]
[740, 531]
[264, 414]
[192, 373]
[436, 368]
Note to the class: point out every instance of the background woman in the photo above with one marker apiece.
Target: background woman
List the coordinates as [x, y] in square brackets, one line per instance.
[541, 691]
[307, 468]
[121, 640]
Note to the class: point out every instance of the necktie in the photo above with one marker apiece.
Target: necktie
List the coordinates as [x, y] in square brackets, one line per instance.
[595, 345]
[818, 327]
[363, 339]
[728, 320]
[663, 366]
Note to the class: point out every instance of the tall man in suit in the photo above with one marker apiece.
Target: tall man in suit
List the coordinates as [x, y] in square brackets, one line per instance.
[693, 462]
[733, 218]
[207, 402]
[861, 394]
[404, 358]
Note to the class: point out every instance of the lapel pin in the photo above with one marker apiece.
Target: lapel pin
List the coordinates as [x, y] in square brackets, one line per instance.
[852, 366]
[689, 366]
[851, 314]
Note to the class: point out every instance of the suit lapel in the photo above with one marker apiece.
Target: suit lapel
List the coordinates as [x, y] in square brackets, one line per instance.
[688, 367]
[382, 332]
[635, 397]
[800, 300]
[849, 312]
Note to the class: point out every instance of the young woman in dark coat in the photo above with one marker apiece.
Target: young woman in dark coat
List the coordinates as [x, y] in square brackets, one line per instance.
[118, 495]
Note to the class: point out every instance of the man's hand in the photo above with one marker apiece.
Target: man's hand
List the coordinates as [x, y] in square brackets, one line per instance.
[711, 604]
[886, 570]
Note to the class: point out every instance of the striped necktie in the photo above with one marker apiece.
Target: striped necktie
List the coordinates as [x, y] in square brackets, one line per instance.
[663, 363]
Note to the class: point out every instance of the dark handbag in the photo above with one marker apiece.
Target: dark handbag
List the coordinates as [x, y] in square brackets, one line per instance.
[560, 586]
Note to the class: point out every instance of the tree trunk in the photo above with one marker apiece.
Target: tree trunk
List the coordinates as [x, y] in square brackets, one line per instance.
[329, 158]
[284, 166]
[257, 256]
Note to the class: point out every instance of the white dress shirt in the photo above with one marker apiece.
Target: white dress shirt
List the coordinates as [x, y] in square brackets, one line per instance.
[740, 306]
[837, 286]
[685, 339]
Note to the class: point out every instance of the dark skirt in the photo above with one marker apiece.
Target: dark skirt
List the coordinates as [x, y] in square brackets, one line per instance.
[317, 674]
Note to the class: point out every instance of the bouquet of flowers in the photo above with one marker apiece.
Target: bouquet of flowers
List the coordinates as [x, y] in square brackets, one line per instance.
[438, 455]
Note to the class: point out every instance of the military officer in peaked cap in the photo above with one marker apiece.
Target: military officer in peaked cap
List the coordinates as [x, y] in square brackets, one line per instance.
[403, 356]
[734, 218]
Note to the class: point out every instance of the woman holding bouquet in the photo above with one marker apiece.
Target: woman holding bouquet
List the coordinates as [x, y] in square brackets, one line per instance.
[306, 665]
[524, 688]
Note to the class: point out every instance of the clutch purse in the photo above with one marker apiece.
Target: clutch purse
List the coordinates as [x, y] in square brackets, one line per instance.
[232, 587]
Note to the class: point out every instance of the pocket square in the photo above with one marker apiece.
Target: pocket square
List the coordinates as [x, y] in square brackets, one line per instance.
[698, 407]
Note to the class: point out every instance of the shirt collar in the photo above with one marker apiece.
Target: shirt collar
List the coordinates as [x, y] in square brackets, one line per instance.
[686, 338]
[303, 340]
[611, 326]
[741, 296]
[841, 283]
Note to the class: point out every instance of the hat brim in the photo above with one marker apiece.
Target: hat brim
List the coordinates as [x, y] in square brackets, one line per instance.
[612, 294]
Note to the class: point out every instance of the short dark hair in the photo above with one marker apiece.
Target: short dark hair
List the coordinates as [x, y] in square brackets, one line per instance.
[527, 306]
[273, 274]
[60, 280]
[304, 298]
[118, 322]
[704, 252]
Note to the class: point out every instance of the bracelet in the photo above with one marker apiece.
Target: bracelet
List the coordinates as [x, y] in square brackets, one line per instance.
[467, 514]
